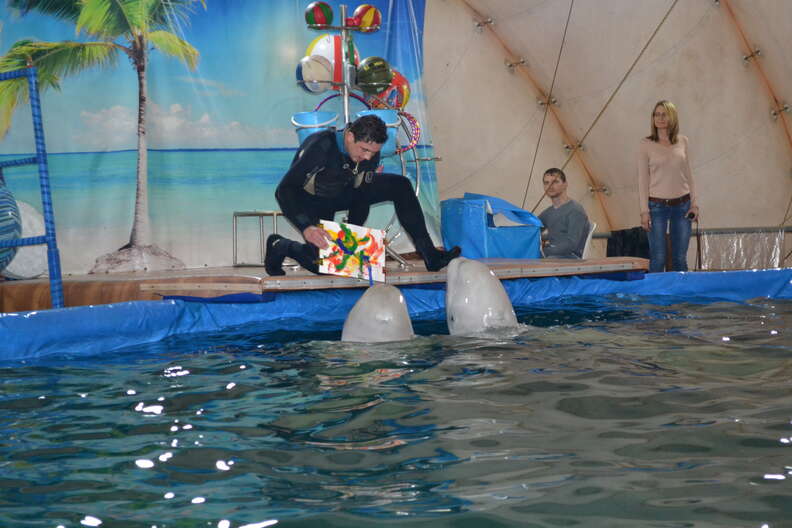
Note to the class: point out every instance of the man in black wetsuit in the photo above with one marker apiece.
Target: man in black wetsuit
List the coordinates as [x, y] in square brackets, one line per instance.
[340, 171]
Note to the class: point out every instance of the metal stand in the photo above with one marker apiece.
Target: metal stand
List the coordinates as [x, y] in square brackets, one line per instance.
[262, 239]
[344, 90]
[402, 263]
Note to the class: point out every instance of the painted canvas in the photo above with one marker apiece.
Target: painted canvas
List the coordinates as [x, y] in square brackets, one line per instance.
[357, 251]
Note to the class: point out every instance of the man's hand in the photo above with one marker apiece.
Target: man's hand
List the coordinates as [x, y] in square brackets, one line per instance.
[317, 236]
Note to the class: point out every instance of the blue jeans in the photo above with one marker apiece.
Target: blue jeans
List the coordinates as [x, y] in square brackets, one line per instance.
[680, 228]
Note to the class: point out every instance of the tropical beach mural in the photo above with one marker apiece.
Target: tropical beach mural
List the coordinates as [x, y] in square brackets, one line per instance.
[163, 118]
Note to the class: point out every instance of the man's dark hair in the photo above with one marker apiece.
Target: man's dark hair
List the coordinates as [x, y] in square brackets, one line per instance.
[369, 129]
[557, 172]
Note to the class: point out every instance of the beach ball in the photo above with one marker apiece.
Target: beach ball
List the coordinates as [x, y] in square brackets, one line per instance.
[352, 22]
[10, 225]
[395, 95]
[374, 75]
[330, 47]
[318, 13]
[314, 73]
[369, 17]
[352, 51]
[299, 76]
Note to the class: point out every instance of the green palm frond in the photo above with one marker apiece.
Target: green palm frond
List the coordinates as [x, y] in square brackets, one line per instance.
[112, 18]
[15, 91]
[22, 54]
[139, 21]
[58, 59]
[12, 93]
[62, 9]
[108, 18]
[173, 12]
[52, 60]
[170, 44]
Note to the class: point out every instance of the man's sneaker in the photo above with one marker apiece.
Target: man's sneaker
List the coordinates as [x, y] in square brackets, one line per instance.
[273, 261]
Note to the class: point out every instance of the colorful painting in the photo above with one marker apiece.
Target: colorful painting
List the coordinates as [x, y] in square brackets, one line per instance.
[357, 252]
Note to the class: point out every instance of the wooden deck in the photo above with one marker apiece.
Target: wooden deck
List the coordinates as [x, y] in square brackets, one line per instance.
[81, 290]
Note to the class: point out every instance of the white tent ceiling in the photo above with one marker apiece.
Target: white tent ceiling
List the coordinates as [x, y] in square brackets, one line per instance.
[487, 124]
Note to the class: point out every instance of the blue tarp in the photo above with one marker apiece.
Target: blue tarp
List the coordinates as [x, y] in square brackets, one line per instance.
[91, 330]
[507, 209]
[469, 223]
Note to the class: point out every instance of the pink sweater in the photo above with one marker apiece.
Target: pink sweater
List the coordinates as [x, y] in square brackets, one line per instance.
[664, 172]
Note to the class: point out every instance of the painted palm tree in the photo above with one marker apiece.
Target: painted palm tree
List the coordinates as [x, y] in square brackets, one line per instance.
[117, 27]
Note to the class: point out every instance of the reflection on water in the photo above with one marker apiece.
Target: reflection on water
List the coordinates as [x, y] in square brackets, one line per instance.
[616, 413]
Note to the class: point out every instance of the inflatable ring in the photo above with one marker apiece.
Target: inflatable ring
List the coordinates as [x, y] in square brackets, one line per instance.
[415, 133]
[415, 127]
[356, 96]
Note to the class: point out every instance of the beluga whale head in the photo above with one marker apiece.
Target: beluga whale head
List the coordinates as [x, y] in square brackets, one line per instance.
[476, 301]
[380, 315]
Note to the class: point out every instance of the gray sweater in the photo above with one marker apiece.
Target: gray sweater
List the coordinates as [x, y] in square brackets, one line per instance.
[567, 230]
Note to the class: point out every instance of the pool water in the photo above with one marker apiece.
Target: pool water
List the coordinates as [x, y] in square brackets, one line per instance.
[617, 412]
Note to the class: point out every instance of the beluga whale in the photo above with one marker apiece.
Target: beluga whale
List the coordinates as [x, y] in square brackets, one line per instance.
[476, 301]
[380, 315]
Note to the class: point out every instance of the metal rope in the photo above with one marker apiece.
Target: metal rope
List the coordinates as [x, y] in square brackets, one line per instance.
[547, 104]
[629, 71]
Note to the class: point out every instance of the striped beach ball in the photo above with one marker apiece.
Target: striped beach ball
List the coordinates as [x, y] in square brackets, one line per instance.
[30, 261]
[374, 75]
[368, 18]
[330, 47]
[395, 95]
[10, 226]
[314, 73]
[318, 13]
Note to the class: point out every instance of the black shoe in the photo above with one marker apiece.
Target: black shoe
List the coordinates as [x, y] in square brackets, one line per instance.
[273, 261]
[439, 259]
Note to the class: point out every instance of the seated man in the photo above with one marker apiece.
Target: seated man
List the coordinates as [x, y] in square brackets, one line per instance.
[339, 171]
[566, 221]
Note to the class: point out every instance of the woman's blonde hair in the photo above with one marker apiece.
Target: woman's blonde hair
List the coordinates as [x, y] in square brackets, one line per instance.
[673, 121]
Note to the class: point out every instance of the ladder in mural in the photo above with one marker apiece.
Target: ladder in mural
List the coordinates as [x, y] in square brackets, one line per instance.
[40, 159]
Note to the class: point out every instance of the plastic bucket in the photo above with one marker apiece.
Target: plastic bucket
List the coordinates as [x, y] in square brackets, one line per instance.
[392, 121]
[308, 123]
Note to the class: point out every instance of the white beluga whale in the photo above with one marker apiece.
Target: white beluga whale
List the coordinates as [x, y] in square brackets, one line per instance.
[476, 301]
[380, 315]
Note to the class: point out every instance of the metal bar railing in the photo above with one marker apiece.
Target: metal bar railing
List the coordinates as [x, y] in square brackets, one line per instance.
[17, 162]
[721, 231]
[49, 238]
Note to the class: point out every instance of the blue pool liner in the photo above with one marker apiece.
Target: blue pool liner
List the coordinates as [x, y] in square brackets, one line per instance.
[98, 329]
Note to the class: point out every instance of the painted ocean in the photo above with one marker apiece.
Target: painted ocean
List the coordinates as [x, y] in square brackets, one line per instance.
[192, 197]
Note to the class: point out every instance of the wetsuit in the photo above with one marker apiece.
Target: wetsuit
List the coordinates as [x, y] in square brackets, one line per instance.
[323, 179]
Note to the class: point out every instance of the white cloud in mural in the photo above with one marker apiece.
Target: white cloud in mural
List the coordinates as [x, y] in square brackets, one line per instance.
[175, 127]
[172, 128]
[111, 128]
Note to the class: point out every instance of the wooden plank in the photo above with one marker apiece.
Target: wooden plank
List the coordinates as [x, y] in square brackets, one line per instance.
[503, 268]
[200, 286]
[108, 288]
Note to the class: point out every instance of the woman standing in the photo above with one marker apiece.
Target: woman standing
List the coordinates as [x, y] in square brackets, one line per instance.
[666, 189]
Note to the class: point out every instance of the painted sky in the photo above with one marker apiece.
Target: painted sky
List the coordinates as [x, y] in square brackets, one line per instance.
[242, 94]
